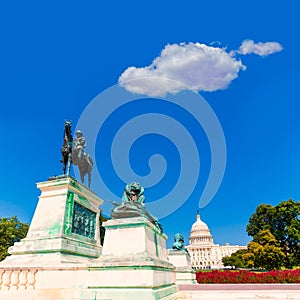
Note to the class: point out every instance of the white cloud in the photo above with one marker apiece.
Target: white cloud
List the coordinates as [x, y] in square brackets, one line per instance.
[262, 49]
[192, 66]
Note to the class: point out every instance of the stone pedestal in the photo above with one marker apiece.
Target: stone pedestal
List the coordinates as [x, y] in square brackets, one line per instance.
[61, 259]
[63, 239]
[64, 228]
[182, 262]
[133, 264]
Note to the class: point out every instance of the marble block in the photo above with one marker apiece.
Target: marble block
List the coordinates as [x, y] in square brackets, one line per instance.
[64, 228]
[182, 262]
[134, 263]
[61, 257]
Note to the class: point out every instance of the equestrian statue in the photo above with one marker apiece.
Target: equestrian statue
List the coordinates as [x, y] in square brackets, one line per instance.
[73, 151]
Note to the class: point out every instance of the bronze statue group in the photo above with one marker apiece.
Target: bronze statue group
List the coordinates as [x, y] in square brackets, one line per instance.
[73, 151]
[133, 199]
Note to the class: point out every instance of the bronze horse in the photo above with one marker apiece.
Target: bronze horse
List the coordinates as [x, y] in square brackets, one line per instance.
[70, 155]
[85, 165]
[66, 149]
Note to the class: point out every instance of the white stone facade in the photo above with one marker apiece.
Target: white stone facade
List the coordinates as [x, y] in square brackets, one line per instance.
[61, 257]
[182, 262]
[204, 253]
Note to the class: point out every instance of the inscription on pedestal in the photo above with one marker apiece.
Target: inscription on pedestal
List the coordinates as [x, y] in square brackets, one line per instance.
[84, 221]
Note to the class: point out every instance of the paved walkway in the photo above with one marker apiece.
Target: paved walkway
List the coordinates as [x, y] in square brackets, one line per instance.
[239, 291]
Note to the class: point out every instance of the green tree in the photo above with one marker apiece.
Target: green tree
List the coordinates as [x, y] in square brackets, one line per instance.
[265, 251]
[283, 221]
[249, 258]
[11, 231]
[262, 219]
[102, 219]
[287, 230]
[235, 259]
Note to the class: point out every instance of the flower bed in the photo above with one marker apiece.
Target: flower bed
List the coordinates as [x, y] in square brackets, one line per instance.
[241, 276]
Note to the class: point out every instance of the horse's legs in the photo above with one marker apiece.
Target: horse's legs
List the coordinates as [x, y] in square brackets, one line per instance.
[67, 165]
[81, 176]
[89, 178]
[64, 165]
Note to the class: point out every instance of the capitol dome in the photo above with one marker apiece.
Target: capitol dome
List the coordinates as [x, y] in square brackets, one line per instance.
[200, 232]
[204, 253]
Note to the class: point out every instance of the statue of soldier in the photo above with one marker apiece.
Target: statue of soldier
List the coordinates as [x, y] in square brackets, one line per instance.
[80, 144]
[80, 158]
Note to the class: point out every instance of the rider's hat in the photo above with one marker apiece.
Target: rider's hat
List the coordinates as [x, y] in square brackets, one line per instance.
[78, 132]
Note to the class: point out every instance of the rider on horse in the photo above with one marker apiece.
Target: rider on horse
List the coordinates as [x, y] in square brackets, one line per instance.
[73, 152]
[80, 144]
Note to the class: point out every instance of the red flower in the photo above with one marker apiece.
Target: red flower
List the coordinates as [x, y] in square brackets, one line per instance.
[242, 276]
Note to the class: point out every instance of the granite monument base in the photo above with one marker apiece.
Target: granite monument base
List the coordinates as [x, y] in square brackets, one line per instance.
[63, 239]
[182, 262]
[61, 257]
[134, 263]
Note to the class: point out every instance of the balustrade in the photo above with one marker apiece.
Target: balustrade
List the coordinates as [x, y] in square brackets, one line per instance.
[17, 279]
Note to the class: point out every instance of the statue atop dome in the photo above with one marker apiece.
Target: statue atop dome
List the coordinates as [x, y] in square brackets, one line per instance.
[200, 232]
[199, 224]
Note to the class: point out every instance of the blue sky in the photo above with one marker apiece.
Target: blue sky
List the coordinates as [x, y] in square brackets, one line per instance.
[55, 58]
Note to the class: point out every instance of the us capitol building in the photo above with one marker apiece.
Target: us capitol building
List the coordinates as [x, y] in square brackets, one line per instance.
[204, 253]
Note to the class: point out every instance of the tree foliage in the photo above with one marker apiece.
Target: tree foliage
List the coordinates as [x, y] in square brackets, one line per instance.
[235, 259]
[11, 231]
[265, 252]
[102, 219]
[276, 238]
[283, 222]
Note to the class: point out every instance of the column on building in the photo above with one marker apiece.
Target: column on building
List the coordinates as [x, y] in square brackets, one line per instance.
[204, 253]
[200, 245]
